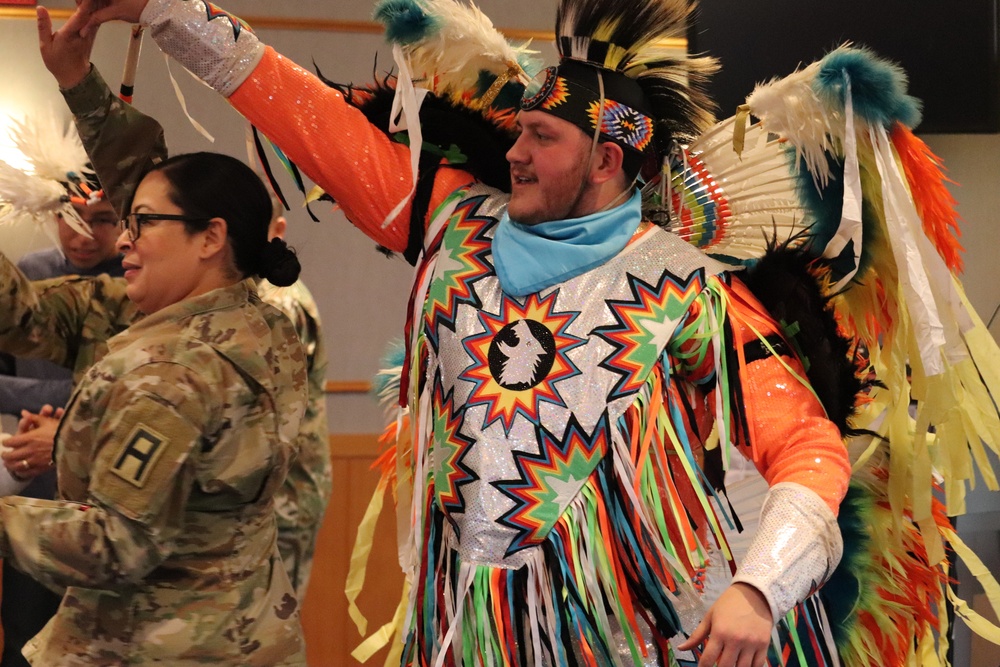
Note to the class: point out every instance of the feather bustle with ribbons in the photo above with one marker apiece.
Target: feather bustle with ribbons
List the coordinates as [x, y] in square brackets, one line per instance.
[843, 182]
[472, 80]
[449, 45]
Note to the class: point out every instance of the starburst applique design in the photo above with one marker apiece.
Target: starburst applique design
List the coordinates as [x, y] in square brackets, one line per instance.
[552, 92]
[557, 95]
[623, 123]
[644, 325]
[519, 358]
[238, 24]
[450, 448]
[462, 260]
[550, 479]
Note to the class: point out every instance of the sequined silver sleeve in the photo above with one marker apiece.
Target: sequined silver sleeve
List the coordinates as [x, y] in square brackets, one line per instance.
[215, 46]
[795, 550]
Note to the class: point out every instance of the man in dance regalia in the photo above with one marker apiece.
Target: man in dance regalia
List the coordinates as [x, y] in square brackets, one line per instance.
[576, 379]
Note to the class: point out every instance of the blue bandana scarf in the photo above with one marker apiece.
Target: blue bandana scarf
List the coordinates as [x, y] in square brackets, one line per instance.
[529, 258]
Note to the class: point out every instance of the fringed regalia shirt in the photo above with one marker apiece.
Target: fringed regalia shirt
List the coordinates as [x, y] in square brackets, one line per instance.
[562, 505]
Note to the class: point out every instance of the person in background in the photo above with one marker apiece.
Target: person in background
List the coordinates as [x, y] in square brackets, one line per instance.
[86, 247]
[123, 153]
[175, 442]
[303, 498]
[78, 253]
[26, 606]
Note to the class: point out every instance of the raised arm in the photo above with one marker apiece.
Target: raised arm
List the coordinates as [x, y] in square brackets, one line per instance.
[122, 143]
[332, 142]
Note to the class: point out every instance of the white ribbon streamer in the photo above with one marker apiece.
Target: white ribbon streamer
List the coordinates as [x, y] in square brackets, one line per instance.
[926, 280]
[850, 228]
[406, 116]
[180, 98]
[466, 575]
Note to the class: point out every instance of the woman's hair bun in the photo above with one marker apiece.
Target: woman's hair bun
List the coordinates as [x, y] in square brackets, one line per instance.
[279, 263]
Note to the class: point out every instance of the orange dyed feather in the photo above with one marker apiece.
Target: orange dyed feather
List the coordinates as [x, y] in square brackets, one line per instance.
[935, 205]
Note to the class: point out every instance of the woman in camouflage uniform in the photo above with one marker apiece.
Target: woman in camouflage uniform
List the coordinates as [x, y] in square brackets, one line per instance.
[173, 445]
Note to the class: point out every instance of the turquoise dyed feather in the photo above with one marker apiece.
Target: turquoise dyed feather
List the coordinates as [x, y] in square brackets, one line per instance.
[405, 21]
[878, 87]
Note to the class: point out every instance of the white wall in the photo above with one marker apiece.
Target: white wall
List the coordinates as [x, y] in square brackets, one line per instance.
[973, 162]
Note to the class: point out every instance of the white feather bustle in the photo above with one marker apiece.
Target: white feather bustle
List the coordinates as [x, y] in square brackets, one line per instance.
[449, 62]
[57, 158]
[790, 108]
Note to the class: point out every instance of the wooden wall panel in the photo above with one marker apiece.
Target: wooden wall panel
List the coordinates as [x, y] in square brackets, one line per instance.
[330, 633]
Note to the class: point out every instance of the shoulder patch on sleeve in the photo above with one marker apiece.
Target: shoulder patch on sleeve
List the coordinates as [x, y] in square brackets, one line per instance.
[137, 457]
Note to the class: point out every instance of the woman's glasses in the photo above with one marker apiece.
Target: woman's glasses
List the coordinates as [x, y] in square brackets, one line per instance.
[133, 222]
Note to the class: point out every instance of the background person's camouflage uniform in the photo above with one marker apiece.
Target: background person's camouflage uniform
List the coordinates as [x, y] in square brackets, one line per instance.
[302, 499]
[65, 320]
[169, 455]
[123, 144]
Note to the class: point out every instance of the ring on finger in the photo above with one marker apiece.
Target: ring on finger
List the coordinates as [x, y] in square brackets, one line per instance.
[24, 464]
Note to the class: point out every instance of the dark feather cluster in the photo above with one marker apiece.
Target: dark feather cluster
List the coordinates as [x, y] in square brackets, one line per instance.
[784, 282]
[464, 137]
[677, 91]
[448, 129]
[634, 25]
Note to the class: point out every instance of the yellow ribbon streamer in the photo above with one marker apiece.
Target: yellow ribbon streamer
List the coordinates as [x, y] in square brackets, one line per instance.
[740, 128]
[359, 556]
[314, 194]
[384, 635]
[976, 622]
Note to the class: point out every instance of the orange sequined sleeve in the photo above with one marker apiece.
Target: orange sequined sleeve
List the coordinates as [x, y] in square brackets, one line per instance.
[333, 143]
[789, 437]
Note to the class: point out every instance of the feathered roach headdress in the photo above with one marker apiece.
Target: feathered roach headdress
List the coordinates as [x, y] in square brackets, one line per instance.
[58, 175]
[615, 72]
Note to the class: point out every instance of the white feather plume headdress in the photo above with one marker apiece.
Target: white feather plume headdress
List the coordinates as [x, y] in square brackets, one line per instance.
[58, 173]
[449, 45]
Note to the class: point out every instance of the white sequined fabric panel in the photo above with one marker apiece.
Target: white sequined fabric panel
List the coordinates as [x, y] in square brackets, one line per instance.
[492, 458]
[796, 548]
[218, 51]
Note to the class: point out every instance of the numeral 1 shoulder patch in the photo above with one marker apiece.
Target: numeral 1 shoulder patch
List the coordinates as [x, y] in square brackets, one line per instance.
[139, 454]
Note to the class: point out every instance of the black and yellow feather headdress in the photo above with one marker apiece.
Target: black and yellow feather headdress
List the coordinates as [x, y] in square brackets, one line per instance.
[619, 69]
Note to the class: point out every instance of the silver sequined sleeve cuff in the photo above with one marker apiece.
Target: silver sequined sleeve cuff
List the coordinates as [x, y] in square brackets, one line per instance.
[215, 46]
[795, 550]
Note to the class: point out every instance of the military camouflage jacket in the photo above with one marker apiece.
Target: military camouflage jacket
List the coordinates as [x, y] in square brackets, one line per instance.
[302, 501]
[65, 320]
[123, 144]
[169, 456]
